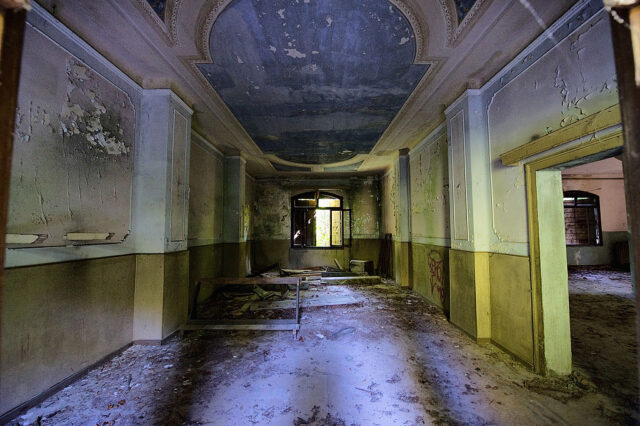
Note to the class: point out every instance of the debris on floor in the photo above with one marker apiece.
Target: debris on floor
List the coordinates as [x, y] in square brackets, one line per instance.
[381, 362]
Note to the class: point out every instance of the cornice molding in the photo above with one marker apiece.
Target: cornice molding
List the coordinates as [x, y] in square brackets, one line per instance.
[167, 28]
[456, 31]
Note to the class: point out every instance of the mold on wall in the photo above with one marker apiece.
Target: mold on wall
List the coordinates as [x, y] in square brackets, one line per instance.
[574, 79]
[271, 217]
[73, 150]
[272, 212]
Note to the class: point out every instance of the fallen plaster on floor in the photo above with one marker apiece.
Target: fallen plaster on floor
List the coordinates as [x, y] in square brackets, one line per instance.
[393, 359]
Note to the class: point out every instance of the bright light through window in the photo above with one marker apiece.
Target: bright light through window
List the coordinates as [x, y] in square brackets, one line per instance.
[323, 228]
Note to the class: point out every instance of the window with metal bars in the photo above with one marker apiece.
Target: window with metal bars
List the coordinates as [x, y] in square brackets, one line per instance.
[582, 219]
[319, 221]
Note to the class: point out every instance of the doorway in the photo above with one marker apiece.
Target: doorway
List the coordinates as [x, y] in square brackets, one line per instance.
[601, 296]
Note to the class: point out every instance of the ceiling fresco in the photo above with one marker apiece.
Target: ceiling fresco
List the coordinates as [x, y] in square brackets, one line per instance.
[463, 7]
[313, 81]
[158, 7]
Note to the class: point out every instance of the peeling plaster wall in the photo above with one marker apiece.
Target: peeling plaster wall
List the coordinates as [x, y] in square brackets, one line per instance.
[574, 79]
[271, 221]
[80, 119]
[73, 149]
[565, 75]
[429, 166]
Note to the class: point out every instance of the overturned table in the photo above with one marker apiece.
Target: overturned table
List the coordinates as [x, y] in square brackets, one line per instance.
[293, 324]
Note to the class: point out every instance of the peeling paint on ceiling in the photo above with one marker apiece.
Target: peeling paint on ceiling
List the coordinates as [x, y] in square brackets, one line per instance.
[313, 81]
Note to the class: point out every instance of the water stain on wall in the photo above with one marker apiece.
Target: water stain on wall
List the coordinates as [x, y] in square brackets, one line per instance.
[73, 158]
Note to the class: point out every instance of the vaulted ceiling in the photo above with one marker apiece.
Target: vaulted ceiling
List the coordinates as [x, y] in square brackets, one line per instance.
[311, 85]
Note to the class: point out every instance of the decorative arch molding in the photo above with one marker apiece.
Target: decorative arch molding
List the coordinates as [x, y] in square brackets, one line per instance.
[456, 31]
[210, 13]
[168, 27]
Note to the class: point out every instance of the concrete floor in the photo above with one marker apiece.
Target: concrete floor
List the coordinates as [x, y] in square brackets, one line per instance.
[390, 360]
[603, 330]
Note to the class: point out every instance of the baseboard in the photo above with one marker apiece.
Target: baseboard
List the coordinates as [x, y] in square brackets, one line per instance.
[155, 342]
[27, 405]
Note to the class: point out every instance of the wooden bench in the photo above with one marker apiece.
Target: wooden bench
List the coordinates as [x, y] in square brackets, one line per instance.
[194, 323]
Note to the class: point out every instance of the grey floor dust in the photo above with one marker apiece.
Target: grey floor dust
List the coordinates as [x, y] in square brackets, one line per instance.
[391, 359]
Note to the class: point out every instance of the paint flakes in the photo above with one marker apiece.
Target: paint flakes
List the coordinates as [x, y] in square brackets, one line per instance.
[329, 21]
[404, 40]
[294, 53]
[280, 13]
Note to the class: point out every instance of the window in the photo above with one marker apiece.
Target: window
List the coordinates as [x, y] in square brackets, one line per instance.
[319, 221]
[582, 219]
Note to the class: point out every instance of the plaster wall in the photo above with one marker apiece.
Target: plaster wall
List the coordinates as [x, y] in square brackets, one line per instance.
[511, 315]
[463, 294]
[572, 80]
[429, 167]
[205, 215]
[206, 193]
[431, 274]
[60, 318]
[388, 195]
[73, 148]
[175, 291]
[271, 219]
[613, 214]
[114, 158]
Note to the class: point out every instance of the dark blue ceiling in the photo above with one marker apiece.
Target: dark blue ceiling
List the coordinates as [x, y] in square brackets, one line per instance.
[313, 81]
[158, 6]
[463, 7]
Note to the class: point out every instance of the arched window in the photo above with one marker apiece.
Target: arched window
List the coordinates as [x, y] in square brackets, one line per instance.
[319, 221]
[582, 219]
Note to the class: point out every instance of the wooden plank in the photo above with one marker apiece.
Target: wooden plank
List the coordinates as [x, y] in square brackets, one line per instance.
[314, 302]
[274, 325]
[362, 279]
[264, 327]
[251, 281]
[591, 124]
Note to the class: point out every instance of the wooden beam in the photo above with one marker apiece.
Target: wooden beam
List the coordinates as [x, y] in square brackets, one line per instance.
[588, 125]
[629, 94]
[11, 39]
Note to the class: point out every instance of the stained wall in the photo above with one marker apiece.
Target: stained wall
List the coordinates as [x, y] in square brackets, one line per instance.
[272, 222]
[430, 224]
[97, 154]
